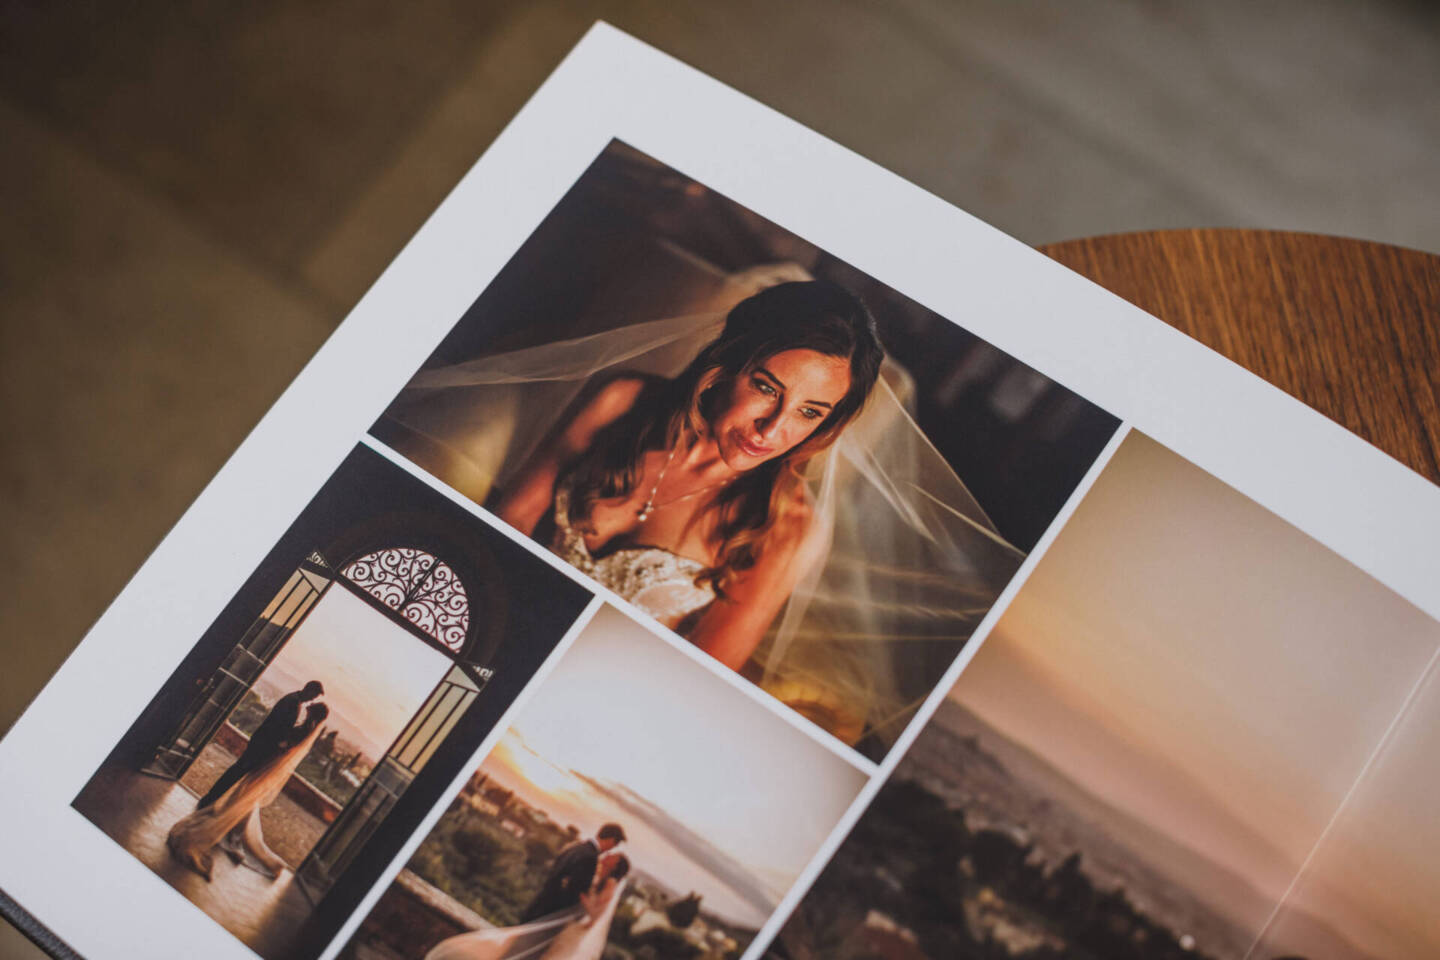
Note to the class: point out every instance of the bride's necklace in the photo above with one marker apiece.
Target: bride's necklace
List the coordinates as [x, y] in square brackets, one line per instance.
[651, 506]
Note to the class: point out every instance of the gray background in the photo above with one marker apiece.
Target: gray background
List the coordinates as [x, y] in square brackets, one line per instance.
[194, 194]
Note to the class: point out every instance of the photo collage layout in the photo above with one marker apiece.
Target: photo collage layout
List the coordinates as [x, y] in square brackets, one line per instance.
[631, 630]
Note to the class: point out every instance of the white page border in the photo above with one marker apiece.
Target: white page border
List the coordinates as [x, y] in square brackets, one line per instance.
[1329, 483]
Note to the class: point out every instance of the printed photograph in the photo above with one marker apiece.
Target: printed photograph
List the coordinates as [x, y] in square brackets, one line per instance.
[332, 701]
[1145, 752]
[640, 807]
[812, 478]
[1375, 873]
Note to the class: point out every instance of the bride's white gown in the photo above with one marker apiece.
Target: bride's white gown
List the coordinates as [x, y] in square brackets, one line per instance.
[578, 934]
[193, 839]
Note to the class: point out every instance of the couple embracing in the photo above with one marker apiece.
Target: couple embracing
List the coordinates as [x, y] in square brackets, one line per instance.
[228, 815]
[569, 919]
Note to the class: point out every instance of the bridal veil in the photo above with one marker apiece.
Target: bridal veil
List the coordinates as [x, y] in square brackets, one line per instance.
[901, 565]
[570, 935]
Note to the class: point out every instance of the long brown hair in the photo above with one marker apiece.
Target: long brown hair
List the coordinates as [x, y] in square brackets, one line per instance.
[811, 315]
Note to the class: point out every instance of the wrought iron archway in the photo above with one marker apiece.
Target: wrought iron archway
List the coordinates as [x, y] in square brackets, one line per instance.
[413, 588]
[420, 587]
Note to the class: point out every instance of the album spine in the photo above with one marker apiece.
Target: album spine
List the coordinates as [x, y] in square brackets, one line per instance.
[39, 934]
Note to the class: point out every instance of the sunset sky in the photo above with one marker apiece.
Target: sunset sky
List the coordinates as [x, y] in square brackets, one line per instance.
[715, 792]
[1377, 867]
[1201, 665]
[376, 675]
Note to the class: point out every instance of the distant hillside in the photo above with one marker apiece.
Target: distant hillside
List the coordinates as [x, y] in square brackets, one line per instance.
[725, 869]
[272, 685]
[1001, 784]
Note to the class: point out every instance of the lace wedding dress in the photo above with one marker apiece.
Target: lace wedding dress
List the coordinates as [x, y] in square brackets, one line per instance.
[657, 581]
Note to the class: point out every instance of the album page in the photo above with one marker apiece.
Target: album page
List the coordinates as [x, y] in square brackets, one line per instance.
[700, 543]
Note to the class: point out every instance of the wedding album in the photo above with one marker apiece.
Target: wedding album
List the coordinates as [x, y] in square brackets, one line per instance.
[723, 550]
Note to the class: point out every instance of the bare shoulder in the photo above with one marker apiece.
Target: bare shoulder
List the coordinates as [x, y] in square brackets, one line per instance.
[604, 405]
[619, 394]
[613, 400]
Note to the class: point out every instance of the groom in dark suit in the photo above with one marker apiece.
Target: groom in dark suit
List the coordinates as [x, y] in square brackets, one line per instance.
[572, 873]
[275, 733]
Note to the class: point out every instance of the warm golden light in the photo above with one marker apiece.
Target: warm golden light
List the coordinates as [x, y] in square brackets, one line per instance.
[717, 793]
[376, 674]
[1197, 663]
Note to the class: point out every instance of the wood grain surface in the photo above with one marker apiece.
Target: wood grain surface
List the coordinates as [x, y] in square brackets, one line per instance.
[1349, 327]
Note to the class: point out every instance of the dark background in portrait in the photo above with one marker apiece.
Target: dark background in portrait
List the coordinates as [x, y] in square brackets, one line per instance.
[367, 501]
[634, 240]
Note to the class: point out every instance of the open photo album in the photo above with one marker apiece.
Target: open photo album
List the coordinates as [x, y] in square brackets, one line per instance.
[701, 544]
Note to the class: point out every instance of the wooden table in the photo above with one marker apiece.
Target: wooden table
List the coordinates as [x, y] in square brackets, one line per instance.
[1351, 328]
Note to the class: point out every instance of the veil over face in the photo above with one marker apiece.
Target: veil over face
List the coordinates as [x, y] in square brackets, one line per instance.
[897, 569]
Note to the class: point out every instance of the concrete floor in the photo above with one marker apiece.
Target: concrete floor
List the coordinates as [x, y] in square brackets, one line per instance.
[194, 195]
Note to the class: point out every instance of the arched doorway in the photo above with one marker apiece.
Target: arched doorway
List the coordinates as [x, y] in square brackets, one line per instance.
[413, 587]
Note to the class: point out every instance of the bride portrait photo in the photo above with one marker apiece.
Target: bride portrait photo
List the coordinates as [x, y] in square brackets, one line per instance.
[811, 478]
[329, 705]
[663, 819]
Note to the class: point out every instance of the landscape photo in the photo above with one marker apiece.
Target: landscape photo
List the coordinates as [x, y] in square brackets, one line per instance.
[1142, 756]
[718, 803]
[1375, 871]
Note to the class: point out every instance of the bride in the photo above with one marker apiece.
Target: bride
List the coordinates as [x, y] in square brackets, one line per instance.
[686, 495]
[193, 839]
[755, 480]
[576, 934]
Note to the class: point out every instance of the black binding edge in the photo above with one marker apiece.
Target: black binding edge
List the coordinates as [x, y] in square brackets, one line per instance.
[38, 934]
